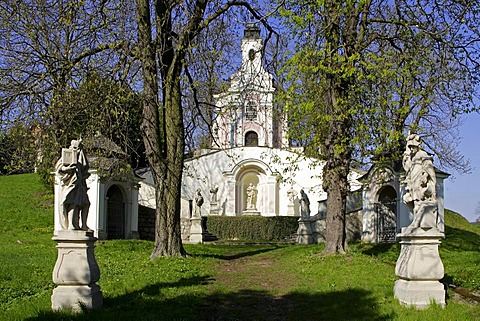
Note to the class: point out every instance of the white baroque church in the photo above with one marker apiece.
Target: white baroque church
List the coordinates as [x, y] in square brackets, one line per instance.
[250, 149]
[252, 170]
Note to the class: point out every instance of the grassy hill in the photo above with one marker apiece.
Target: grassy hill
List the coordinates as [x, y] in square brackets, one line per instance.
[220, 282]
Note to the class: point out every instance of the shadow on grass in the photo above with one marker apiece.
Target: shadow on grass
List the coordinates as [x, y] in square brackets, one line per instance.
[150, 304]
[378, 248]
[229, 257]
[354, 304]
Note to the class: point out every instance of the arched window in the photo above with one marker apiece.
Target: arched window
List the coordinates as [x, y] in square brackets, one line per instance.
[251, 111]
[251, 139]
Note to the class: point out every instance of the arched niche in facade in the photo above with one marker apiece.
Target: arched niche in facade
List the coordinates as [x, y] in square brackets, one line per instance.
[258, 173]
[387, 194]
[115, 213]
[249, 175]
[251, 139]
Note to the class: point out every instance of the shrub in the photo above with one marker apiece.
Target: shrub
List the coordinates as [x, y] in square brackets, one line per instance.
[252, 228]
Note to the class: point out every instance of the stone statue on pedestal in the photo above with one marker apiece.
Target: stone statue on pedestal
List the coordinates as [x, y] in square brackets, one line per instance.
[197, 229]
[419, 266]
[76, 270]
[291, 194]
[72, 171]
[214, 191]
[304, 205]
[198, 202]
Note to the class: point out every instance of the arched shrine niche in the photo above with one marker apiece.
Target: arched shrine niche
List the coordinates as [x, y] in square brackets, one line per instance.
[263, 180]
[249, 178]
[115, 213]
[386, 214]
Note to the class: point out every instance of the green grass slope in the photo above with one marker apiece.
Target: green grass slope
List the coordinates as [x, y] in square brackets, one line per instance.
[219, 282]
[460, 251]
[26, 248]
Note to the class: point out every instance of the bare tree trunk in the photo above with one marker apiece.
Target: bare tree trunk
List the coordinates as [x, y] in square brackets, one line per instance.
[338, 149]
[335, 180]
[168, 240]
[163, 138]
[162, 125]
[336, 184]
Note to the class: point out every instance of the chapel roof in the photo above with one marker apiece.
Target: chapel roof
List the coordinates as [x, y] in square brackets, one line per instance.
[100, 143]
[252, 31]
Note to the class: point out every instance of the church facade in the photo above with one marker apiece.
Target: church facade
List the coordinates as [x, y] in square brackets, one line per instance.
[250, 169]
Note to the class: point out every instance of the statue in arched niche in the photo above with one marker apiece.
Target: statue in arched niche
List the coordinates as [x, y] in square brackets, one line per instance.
[251, 197]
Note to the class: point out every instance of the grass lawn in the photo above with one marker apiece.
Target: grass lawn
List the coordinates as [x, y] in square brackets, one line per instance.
[220, 282]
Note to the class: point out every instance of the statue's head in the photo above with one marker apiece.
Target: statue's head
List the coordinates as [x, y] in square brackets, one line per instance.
[76, 144]
[413, 141]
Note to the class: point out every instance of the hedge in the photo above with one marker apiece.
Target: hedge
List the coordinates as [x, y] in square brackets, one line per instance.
[252, 228]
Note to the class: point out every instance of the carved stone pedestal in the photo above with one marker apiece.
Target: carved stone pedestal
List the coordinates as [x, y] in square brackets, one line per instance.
[304, 232]
[76, 272]
[214, 208]
[419, 268]
[252, 212]
[197, 230]
[290, 210]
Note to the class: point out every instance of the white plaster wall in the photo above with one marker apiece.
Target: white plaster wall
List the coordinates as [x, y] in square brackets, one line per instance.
[93, 184]
[283, 169]
[368, 220]
[146, 191]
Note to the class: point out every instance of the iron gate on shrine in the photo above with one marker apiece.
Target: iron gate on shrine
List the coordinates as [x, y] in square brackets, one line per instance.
[386, 221]
[115, 214]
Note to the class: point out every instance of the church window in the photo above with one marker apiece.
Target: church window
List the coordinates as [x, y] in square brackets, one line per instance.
[251, 139]
[251, 111]
[251, 54]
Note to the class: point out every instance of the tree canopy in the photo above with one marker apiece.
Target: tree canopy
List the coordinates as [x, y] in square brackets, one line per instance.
[49, 52]
[364, 73]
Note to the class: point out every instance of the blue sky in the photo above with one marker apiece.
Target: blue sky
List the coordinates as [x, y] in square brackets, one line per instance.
[462, 193]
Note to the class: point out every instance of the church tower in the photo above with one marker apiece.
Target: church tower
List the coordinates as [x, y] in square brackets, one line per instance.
[246, 114]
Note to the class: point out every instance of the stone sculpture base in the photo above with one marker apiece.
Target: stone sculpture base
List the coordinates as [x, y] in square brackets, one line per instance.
[196, 230]
[252, 212]
[419, 268]
[290, 210]
[214, 209]
[74, 297]
[304, 231]
[76, 272]
[419, 293]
